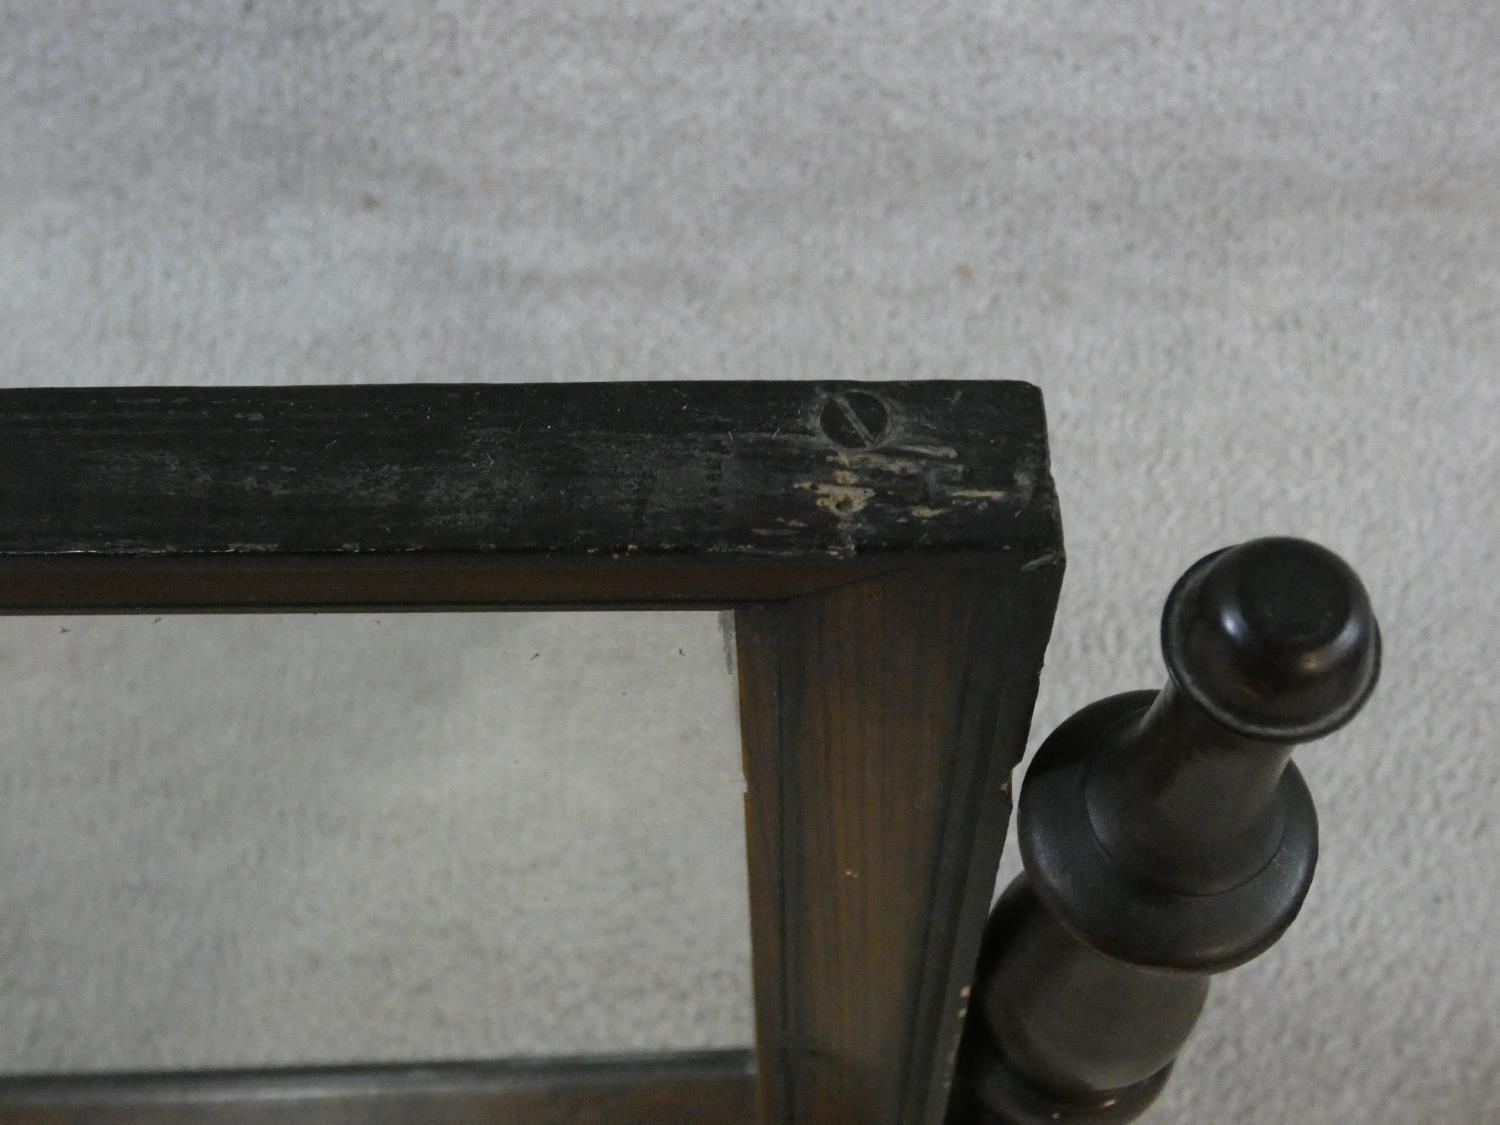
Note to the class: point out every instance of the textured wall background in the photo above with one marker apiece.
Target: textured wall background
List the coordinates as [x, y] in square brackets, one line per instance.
[1250, 252]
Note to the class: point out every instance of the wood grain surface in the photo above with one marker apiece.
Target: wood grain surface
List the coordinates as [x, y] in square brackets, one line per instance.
[687, 1089]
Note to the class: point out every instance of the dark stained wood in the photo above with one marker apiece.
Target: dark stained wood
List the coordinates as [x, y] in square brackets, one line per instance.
[878, 806]
[236, 583]
[1010, 610]
[757, 645]
[689, 1089]
[1167, 836]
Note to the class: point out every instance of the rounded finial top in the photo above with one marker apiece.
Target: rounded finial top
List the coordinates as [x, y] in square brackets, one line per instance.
[1274, 638]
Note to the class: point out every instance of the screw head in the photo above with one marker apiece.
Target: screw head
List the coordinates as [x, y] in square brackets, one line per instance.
[854, 419]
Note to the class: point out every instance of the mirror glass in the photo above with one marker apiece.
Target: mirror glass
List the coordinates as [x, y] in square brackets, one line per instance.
[258, 840]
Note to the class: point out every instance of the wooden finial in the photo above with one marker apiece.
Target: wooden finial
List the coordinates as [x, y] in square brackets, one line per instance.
[1167, 836]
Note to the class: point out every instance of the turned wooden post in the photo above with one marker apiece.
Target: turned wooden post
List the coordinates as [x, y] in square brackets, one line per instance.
[1167, 836]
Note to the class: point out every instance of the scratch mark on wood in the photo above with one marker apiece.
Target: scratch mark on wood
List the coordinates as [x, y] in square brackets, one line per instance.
[1049, 559]
[879, 462]
[945, 451]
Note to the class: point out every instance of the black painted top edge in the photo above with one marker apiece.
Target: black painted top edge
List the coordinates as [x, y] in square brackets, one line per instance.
[764, 469]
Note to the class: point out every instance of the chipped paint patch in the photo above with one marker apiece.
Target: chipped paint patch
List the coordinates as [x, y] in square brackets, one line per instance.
[845, 500]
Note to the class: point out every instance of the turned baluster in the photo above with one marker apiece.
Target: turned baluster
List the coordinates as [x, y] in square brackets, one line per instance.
[1166, 836]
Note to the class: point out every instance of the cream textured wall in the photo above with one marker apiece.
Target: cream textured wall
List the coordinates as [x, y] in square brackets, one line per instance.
[1251, 253]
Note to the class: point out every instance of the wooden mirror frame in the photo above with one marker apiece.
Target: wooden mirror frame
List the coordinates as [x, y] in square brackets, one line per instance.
[891, 553]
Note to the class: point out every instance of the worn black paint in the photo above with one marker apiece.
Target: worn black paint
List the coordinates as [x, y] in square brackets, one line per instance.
[740, 469]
